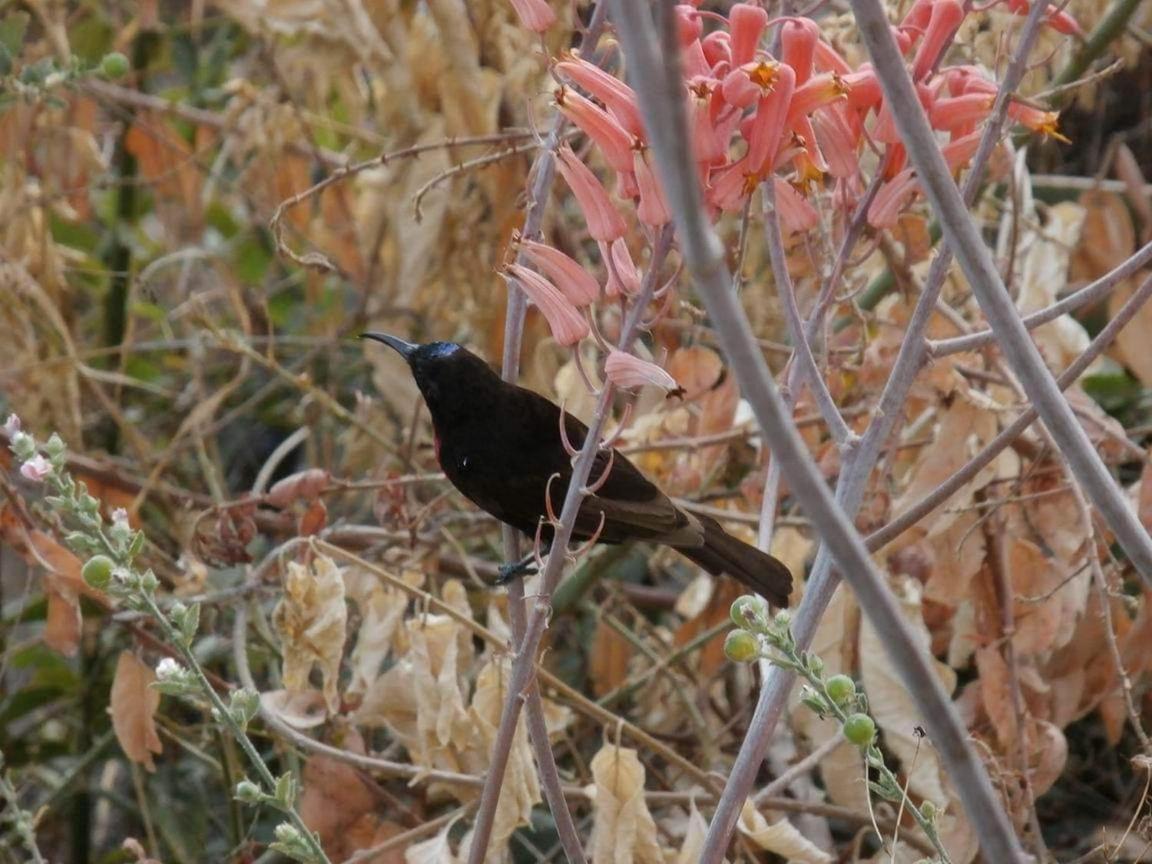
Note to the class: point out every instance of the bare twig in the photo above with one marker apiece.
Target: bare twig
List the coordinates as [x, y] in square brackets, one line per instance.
[1090, 293]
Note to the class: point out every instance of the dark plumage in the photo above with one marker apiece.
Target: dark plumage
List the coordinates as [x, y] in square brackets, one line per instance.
[499, 443]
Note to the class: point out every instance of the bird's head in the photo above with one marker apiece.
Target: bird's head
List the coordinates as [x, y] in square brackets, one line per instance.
[446, 373]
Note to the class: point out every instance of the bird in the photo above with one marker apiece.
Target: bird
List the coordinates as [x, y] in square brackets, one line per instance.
[499, 444]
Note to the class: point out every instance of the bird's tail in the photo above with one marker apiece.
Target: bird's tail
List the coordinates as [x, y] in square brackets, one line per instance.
[723, 553]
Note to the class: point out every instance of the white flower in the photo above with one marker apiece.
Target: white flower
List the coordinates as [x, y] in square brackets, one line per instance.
[120, 516]
[168, 669]
[12, 425]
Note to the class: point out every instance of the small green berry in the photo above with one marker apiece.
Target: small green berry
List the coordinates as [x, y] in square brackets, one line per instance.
[97, 571]
[741, 646]
[860, 729]
[841, 689]
[114, 65]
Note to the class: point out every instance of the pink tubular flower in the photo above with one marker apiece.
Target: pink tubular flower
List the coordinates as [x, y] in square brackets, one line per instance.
[574, 281]
[604, 222]
[745, 24]
[798, 39]
[599, 125]
[837, 143]
[688, 24]
[536, 15]
[653, 208]
[564, 319]
[816, 92]
[795, 211]
[957, 112]
[947, 15]
[894, 195]
[618, 96]
[627, 371]
[1036, 119]
[730, 187]
[768, 123]
[36, 468]
[707, 145]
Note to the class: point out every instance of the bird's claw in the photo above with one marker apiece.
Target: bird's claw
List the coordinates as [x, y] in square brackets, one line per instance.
[508, 572]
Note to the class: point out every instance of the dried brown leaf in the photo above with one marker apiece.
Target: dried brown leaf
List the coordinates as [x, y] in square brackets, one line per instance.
[133, 707]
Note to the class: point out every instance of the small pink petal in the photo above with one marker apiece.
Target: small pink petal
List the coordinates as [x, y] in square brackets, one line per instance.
[12, 425]
[564, 319]
[628, 371]
[693, 61]
[536, 15]
[574, 281]
[623, 275]
[36, 469]
[653, 208]
[604, 221]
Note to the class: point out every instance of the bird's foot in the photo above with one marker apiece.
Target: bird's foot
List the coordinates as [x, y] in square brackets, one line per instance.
[523, 567]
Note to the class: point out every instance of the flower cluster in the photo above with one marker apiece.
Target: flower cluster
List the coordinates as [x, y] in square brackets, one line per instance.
[801, 117]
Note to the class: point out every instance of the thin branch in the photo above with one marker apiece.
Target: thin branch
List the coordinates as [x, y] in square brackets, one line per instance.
[844, 437]
[654, 68]
[1090, 293]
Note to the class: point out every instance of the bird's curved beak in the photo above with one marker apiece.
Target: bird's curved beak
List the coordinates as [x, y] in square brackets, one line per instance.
[404, 349]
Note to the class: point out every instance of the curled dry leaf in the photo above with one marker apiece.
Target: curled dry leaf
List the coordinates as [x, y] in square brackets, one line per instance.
[133, 707]
[301, 486]
[381, 610]
[311, 619]
[623, 830]
[780, 837]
